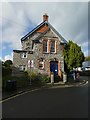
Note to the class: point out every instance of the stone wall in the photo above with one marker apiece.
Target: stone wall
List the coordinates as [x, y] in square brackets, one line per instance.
[38, 53]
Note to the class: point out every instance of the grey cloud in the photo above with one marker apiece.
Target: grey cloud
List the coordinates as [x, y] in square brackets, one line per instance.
[69, 18]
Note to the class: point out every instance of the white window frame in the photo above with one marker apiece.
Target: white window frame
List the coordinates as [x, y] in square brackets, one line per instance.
[54, 46]
[30, 63]
[22, 67]
[42, 63]
[23, 55]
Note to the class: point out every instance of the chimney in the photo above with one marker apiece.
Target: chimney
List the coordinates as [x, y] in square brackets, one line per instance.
[45, 17]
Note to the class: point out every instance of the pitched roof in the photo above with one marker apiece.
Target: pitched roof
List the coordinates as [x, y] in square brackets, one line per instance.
[63, 40]
[19, 50]
[40, 25]
[23, 38]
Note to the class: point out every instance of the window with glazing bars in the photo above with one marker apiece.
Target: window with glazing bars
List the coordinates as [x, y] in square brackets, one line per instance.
[45, 46]
[52, 49]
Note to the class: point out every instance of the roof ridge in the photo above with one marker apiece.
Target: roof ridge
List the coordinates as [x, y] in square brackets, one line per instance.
[62, 38]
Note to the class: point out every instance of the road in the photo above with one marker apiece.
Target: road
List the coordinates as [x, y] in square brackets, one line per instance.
[49, 103]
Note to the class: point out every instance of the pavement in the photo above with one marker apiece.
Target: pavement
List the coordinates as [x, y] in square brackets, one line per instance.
[8, 94]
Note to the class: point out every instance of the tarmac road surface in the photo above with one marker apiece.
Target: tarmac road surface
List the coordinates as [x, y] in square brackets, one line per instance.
[49, 103]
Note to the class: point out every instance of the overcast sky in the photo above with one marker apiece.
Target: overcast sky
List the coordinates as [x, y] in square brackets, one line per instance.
[70, 19]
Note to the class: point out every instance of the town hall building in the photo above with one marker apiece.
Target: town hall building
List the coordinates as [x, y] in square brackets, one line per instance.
[42, 50]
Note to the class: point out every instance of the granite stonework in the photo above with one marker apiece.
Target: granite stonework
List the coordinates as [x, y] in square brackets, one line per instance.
[32, 45]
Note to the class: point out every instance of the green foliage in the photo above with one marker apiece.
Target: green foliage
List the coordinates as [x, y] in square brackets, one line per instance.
[45, 78]
[87, 58]
[37, 78]
[73, 56]
[8, 63]
[21, 81]
[57, 78]
[6, 67]
[34, 77]
[6, 71]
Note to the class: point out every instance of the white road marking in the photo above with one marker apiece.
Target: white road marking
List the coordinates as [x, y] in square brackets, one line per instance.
[1, 101]
[84, 84]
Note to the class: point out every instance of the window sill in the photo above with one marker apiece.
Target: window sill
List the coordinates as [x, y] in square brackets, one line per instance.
[42, 68]
[45, 53]
[23, 58]
[50, 53]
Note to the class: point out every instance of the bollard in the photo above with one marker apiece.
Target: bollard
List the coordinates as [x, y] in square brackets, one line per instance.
[52, 78]
[64, 77]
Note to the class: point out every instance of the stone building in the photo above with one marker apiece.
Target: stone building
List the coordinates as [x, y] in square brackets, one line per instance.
[42, 50]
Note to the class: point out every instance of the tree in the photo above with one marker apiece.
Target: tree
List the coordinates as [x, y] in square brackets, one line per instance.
[6, 68]
[8, 63]
[73, 56]
[87, 58]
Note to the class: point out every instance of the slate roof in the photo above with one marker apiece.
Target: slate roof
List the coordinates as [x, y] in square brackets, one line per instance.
[40, 25]
[23, 38]
[19, 50]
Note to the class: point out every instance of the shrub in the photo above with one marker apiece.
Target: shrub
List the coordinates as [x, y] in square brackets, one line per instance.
[45, 79]
[35, 78]
[21, 81]
[57, 78]
[25, 73]
[6, 71]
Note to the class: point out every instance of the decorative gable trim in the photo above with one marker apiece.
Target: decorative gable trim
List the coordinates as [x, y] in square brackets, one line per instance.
[57, 33]
[31, 32]
[42, 30]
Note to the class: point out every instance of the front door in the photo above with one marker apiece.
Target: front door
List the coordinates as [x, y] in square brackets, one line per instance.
[54, 67]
